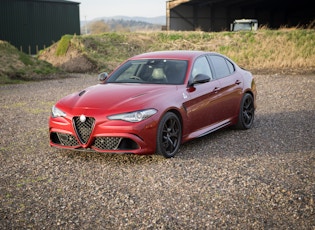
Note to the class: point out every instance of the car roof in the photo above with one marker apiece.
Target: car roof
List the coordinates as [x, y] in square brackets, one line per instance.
[172, 54]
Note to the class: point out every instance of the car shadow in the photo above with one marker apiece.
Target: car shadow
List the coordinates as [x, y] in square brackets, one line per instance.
[272, 133]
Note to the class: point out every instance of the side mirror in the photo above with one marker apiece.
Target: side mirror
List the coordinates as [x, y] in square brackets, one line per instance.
[102, 76]
[201, 78]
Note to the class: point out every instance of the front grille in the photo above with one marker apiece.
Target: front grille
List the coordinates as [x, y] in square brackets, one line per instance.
[63, 139]
[83, 129]
[107, 143]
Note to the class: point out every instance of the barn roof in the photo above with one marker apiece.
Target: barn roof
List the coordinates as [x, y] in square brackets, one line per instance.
[57, 1]
[242, 3]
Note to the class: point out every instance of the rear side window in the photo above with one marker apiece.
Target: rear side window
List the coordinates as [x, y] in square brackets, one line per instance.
[222, 67]
[230, 65]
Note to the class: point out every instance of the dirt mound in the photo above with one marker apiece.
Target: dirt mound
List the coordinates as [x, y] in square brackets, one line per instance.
[72, 61]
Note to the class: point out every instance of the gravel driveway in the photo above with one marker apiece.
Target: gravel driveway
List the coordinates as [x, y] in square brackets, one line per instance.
[263, 178]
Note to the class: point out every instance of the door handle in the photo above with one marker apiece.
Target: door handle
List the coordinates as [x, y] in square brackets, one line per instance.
[216, 89]
[238, 82]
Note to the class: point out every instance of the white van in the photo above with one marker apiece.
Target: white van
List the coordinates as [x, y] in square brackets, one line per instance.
[244, 24]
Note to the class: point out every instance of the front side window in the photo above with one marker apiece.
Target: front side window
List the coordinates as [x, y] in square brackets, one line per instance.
[150, 71]
[201, 66]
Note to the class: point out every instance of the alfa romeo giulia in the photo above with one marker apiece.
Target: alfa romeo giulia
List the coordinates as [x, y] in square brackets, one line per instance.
[155, 101]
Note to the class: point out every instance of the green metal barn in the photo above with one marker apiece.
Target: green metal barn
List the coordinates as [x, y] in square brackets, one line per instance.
[32, 25]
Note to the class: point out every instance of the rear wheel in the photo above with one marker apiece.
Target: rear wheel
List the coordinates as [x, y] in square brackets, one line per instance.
[247, 112]
[169, 135]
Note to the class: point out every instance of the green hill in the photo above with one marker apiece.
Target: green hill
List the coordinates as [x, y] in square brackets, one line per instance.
[287, 51]
[265, 51]
[16, 66]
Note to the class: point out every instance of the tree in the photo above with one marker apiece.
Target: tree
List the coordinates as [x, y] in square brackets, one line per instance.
[98, 27]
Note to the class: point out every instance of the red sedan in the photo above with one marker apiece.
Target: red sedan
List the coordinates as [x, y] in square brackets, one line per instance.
[155, 101]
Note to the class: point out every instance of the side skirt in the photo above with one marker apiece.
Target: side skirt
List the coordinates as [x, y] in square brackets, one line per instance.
[215, 129]
[207, 130]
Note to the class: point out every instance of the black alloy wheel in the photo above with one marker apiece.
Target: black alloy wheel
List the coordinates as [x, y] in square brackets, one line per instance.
[247, 112]
[169, 135]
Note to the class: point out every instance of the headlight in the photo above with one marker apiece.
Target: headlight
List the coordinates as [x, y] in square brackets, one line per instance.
[134, 116]
[55, 112]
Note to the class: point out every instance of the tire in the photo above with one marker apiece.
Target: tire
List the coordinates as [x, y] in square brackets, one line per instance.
[169, 135]
[247, 112]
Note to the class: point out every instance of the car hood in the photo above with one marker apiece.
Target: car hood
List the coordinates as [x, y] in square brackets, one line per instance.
[115, 97]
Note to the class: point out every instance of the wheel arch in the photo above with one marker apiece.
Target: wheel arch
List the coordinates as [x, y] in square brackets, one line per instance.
[249, 92]
[177, 113]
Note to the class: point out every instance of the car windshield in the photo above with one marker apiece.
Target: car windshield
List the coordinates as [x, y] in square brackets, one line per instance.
[150, 71]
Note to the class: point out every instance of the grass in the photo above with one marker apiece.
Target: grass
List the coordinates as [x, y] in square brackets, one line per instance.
[18, 67]
[63, 45]
[285, 50]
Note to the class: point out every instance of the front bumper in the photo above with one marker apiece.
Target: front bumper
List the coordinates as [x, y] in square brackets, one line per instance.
[103, 135]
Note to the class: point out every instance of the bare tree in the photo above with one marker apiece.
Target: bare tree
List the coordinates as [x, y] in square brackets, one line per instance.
[98, 27]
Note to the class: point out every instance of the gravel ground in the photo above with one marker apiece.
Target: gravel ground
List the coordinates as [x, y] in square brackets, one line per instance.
[263, 178]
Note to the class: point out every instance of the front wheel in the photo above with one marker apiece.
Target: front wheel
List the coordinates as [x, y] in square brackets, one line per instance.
[169, 135]
[247, 112]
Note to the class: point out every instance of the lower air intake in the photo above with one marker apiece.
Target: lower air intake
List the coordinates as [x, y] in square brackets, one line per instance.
[107, 143]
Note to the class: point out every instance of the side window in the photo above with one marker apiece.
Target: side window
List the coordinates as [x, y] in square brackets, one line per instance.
[201, 66]
[221, 67]
[231, 66]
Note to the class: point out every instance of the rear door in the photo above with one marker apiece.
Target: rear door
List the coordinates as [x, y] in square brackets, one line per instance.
[231, 83]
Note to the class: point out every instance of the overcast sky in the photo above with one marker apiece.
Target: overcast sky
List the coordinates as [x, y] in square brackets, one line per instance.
[91, 9]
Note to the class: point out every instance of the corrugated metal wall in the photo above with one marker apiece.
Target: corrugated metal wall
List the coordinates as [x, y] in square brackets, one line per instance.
[216, 15]
[32, 25]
